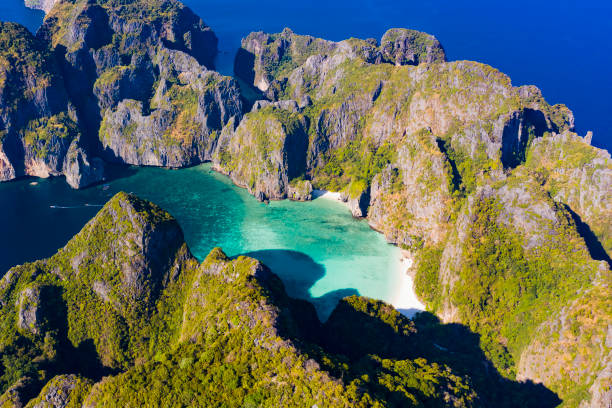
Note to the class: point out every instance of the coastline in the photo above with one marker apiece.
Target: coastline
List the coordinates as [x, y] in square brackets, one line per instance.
[404, 298]
[328, 195]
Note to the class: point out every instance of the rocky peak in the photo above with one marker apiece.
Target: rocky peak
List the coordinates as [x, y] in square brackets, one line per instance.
[401, 46]
[130, 239]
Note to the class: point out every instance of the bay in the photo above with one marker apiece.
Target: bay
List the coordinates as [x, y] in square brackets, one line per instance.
[317, 248]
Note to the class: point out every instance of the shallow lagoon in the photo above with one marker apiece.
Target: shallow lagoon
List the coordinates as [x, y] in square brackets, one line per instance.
[321, 253]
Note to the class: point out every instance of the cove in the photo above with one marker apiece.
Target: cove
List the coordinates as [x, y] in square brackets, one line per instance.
[319, 250]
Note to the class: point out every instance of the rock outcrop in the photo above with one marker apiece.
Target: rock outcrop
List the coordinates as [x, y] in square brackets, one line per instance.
[37, 121]
[140, 76]
[401, 46]
[265, 153]
[81, 170]
[62, 391]
[44, 5]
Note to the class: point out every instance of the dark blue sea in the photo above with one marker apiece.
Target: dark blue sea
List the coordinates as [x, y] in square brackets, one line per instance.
[562, 46]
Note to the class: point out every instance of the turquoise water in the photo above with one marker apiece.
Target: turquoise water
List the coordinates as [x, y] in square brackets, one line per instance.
[320, 252]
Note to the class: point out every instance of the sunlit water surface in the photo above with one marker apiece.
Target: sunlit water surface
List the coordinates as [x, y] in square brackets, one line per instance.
[321, 253]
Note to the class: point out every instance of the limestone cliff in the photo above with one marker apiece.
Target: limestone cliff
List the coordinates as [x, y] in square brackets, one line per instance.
[140, 76]
[368, 118]
[37, 121]
[265, 152]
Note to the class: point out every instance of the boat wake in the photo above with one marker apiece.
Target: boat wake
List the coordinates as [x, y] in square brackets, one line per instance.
[62, 207]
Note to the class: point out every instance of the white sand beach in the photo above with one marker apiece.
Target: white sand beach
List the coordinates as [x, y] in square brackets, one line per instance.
[328, 195]
[404, 299]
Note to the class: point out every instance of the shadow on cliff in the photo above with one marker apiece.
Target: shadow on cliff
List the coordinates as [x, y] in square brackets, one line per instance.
[299, 273]
[596, 249]
[356, 335]
[352, 335]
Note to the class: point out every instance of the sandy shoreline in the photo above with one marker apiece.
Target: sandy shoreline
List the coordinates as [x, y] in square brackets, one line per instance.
[327, 195]
[404, 299]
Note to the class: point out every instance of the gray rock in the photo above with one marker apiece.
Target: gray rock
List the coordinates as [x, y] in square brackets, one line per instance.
[44, 5]
[29, 310]
[401, 46]
[81, 170]
[359, 203]
[36, 118]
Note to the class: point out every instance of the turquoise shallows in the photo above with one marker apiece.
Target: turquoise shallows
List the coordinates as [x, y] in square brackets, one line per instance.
[320, 252]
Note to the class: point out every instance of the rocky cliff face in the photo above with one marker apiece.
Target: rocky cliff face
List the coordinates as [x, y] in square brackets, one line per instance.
[580, 176]
[44, 5]
[268, 60]
[37, 121]
[369, 118]
[140, 77]
[265, 152]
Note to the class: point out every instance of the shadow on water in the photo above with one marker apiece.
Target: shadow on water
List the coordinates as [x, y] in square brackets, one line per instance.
[113, 171]
[299, 272]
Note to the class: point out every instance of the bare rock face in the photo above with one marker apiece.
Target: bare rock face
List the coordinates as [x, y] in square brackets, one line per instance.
[29, 310]
[80, 170]
[265, 153]
[37, 122]
[411, 199]
[142, 80]
[44, 5]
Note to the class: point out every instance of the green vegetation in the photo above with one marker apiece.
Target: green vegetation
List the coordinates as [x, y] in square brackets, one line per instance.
[354, 165]
[505, 291]
[43, 134]
[223, 333]
[567, 168]
[427, 281]
[21, 51]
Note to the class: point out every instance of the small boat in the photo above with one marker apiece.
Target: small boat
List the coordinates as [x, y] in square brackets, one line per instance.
[34, 183]
[106, 187]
